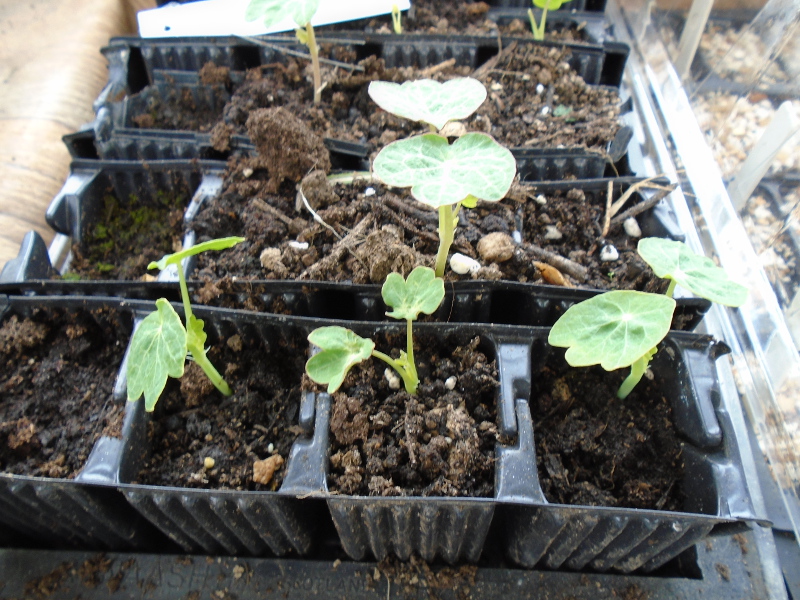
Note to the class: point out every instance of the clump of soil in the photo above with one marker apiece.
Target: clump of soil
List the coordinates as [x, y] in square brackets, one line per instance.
[535, 99]
[128, 235]
[194, 422]
[384, 231]
[595, 449]
[385, 442]
[57, 374]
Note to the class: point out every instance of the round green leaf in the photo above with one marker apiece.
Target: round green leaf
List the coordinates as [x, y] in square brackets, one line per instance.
[421, 292]
[698, 274]
[549, 4]
[341, 349]
[440, 174]
[429, 101]
[274, 11]
[612, 329]
[158, 350]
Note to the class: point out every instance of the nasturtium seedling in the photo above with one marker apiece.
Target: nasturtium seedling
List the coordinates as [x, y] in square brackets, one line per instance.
[615, 330]
[341, 349]
[429, 101]
[698, 274]
[545, 5]
[301, 12]
[160, 344]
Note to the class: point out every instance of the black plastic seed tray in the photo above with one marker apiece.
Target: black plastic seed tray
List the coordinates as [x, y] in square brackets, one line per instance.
[574, 5]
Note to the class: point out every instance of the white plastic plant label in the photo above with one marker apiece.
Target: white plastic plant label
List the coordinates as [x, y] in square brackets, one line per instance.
[226, 17]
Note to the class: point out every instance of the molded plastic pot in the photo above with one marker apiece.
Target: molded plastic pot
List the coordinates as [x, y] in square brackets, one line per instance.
[144, 71]
[621, 539]
[574, 5]
[71, 512]
[79, 205]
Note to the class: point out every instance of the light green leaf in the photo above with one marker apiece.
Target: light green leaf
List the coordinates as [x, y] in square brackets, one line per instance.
[613, 329]
[469, 202]
[274, 11]
[550, 4]
[421, 292]
[195, 334]
[698, 274]
[341, 349]
[158, 350]
[441, 174]
[429, 101]
[177, 257]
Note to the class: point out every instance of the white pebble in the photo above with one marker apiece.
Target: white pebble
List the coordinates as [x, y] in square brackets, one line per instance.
[551, 232]
[450, 382]
[609, 253]
[208, 463]
[545, 110]
[632, 227]
[516, 236]
[539, 89]
[496, 87]
[295, 245]
[248, 172]
[392, 378]
[540, 200]
[370, 191]
[463, 264]
[271, 448]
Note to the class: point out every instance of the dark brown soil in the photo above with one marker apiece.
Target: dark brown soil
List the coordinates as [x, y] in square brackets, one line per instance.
[387, 231]
[415, 573]
[385, 442]
[56, 383]
[535, 100]
[128, 235]
[594, 449]
[193, 421]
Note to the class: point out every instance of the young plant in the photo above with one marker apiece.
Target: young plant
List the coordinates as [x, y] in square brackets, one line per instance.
[341, 349]
[545, 5]
[397, 19]
[442, 175]
[161, 343]
[698, 274]
[301, 11]
[623, 328]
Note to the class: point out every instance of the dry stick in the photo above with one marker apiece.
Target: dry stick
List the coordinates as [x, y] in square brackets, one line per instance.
[409, 228]
[490, 64]
[607, 217]
[645, 183]
[339, 248]
[436, 68]
[565, 265]
[271, 210]
[421, 215]
[642, 206]
[298, 54]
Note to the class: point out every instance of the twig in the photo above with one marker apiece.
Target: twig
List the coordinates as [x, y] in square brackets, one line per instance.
[263, 206]
[317, 218]
[298, 54]
[339, 248]
[643, 206]
[422, 215]
[490, 64]
[607, 217]
[436, 68]
[645, 183]
[565, 265]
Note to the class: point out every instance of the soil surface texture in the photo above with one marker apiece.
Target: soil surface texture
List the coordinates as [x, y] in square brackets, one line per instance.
[440, 442]
[245, 435]
[128, 235]
[594, 449]
[371, 231]
[56, 383]
[535, 100]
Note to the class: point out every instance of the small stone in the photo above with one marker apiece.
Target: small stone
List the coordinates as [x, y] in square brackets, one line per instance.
[392, 378]
[541, 200]
[545, 110]
[247, 172]
[496, 87]
[496, 247]
[370, 191]
[209, 437]
[450, 382]
[632, 227]
[462, 264]
[208, 463]
[295, 245]
[551, 232]
[609, 253]
[539, 89]
[263, 470]
[453, 129]
[271, 448]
